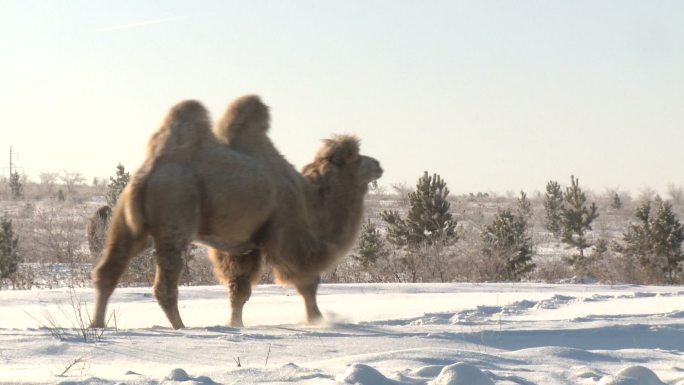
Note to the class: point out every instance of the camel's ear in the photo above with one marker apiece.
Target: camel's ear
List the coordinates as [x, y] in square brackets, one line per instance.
[340, 150]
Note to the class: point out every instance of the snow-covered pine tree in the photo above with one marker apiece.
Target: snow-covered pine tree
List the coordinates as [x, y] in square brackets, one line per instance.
[656, 241]
[552, 204]
[370, 246]
[426, 230]
[428, 219]
[616, 202]
[576, 218]
[524, 210]
[668, 235]
[507, 240]
[16, 187]
[637, 238]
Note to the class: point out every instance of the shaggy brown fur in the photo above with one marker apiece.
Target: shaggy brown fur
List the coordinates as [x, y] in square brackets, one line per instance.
[234, 192]
[96, 230]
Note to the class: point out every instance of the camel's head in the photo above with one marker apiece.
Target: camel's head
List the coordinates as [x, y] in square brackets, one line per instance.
[340, 156]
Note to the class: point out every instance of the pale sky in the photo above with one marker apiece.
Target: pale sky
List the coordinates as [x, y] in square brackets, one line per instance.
[492, 95]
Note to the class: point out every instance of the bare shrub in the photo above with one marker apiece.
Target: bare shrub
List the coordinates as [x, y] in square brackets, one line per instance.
[201, 269]
[402, 191]
[57, 237]
[615, 269]
[551, 270]
[47, 182]
[79, 364]
[78, 318]
[646, 194]
[141, 270]
[71, 179]
[676, 193]
[24, 278]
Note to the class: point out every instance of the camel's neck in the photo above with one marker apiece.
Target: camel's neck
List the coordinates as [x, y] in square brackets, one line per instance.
[338, 215]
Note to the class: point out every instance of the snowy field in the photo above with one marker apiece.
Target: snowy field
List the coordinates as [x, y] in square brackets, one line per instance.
[378, 334]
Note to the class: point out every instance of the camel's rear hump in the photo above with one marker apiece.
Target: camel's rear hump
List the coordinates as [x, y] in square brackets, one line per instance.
[185, 129]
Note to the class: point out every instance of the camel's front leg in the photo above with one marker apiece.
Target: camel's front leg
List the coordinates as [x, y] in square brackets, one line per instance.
[308, 292]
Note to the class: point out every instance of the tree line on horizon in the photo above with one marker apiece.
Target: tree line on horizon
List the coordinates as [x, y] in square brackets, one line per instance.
[424, 240]
[649, 251]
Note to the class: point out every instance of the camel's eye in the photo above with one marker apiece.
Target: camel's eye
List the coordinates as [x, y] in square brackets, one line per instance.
[334, 162]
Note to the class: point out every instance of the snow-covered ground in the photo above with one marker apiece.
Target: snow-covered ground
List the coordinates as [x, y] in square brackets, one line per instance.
[377, 334]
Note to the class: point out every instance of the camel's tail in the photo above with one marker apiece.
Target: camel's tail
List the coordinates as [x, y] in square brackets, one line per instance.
[244, 124]
[132, 212]
[185, 128]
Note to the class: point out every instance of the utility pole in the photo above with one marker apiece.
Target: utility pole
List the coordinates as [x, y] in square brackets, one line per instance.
[12, 166]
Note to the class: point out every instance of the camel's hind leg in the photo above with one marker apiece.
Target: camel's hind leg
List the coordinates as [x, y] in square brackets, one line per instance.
[121, 246]
[239, 273]
[169, 268]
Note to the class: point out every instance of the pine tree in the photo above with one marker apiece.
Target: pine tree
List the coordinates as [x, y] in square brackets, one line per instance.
[428, 219]
[397, 228]
[524, 210]
[9, 252]
[507, 239]
[638, 236]
[576, 219]
[552, 206]
[668, 235]
[16, 187]
[656, 240]
[616, 203]
[117, 185]
[370, 246]
[600, 249]
[427, 228]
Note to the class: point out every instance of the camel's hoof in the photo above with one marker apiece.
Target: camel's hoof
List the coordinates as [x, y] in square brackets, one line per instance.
[236, 324]
[314, 320]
